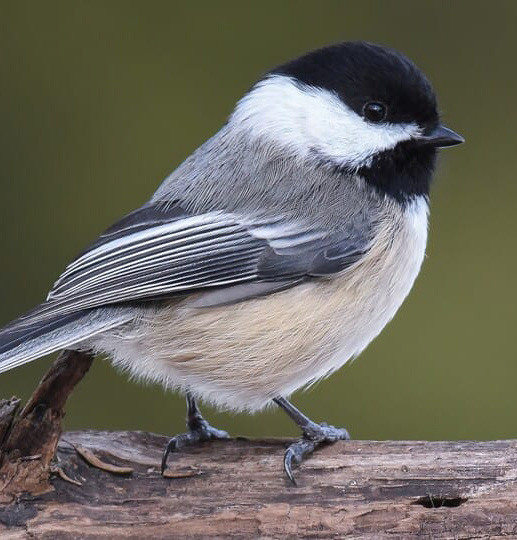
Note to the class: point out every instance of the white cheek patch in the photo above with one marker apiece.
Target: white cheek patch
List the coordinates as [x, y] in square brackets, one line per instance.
[307, 119]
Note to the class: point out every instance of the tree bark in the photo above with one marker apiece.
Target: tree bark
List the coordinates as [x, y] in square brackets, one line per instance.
[236, 489]
[28, 441]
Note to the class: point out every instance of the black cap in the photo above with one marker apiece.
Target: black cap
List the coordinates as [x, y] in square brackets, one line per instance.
[360, 72]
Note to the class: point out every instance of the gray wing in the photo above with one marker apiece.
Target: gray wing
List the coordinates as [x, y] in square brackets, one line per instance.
[155, 253]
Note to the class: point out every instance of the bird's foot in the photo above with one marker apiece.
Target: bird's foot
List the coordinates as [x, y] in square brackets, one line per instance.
[314, 435]
[199, 431]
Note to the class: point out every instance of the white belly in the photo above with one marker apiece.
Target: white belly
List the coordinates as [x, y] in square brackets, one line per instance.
[239, 357]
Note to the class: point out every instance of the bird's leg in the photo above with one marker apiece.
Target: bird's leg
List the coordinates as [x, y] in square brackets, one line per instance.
[199, 431]
[313, 436]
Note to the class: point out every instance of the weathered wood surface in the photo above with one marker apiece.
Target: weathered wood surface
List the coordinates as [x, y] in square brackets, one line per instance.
[236, 489]
[28, 441]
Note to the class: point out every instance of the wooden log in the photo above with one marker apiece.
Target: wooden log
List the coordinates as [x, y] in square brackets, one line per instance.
[236, 489]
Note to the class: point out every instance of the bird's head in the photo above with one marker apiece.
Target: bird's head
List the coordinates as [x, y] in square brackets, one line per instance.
[357, 107]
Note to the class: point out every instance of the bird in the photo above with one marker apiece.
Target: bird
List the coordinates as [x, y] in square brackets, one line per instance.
[274, 254]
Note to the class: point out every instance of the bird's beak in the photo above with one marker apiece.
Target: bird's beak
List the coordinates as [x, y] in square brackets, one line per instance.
[440, 137]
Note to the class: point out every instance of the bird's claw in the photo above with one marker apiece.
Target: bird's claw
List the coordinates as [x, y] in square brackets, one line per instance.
[200, 431]
[314, 435]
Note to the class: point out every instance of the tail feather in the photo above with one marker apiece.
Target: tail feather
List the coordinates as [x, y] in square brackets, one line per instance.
[32, 336]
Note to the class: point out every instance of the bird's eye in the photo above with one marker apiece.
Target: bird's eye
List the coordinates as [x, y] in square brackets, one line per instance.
[374, 111]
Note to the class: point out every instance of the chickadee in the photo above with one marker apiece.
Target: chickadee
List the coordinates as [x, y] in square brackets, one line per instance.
[272, 255]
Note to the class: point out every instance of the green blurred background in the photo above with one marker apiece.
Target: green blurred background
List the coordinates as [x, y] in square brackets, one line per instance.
[100, 100]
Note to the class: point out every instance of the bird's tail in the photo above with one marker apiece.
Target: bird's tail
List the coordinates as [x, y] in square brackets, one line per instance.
[40, 332]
